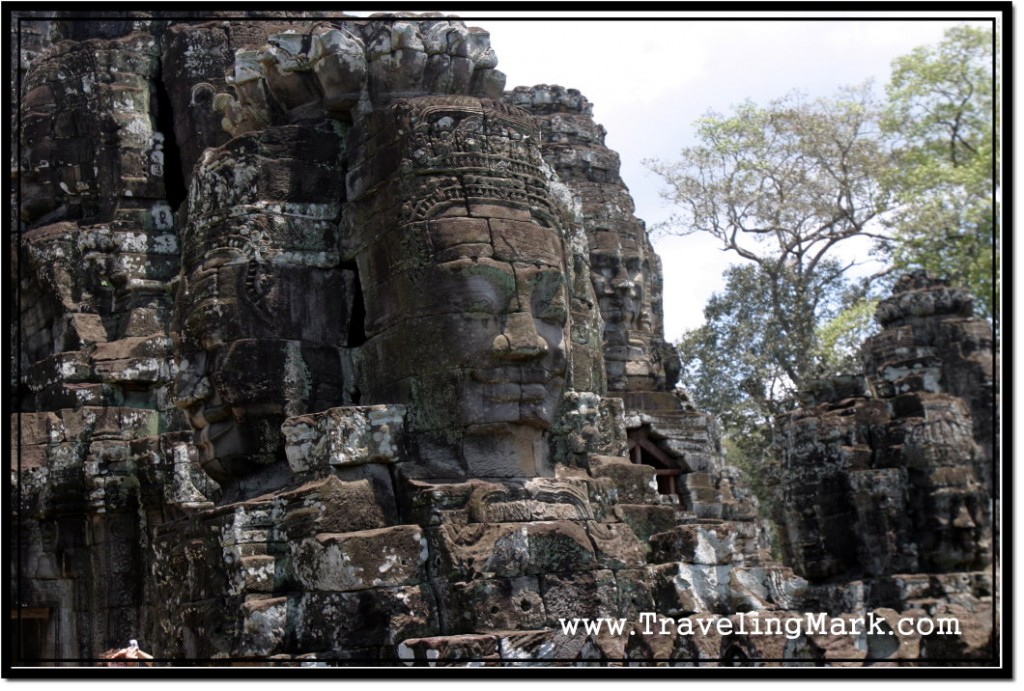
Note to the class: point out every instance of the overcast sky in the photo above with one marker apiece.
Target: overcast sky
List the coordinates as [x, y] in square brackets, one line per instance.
[649, 80]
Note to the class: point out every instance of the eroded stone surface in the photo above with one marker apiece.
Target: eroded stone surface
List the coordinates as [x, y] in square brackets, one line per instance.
[333, 351]
[889, 473]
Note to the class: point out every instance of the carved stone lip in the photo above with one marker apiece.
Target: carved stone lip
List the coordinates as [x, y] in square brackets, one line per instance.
[532, 393]
[204, 416]
[211, 315]
[207, 303]
[503, 392]
[206, 436]
[514, 375]
[511, 392]
[204, 289]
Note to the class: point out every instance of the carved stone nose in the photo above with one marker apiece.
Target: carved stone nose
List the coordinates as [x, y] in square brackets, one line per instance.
[519, 340]
[622, 281]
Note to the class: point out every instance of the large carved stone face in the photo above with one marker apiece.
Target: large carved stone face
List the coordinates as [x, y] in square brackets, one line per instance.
[256, 346]
[87, 135]
[262, 309]
[479, 338]
[619, 272]
[40, 194]
[464, 275]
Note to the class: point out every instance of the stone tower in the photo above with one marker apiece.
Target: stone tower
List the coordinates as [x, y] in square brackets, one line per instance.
[330, 348]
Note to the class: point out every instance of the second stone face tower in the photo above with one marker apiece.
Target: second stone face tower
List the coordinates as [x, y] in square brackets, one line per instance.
[886, 476]
[624, 269]
[642, 368]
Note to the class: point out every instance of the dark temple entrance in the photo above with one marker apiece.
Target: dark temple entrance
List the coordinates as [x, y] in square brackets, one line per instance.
[668, 470]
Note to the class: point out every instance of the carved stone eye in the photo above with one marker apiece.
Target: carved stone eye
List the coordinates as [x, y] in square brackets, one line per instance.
[554, 313]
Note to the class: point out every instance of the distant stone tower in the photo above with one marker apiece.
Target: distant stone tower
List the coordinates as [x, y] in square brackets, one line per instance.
[888, 476]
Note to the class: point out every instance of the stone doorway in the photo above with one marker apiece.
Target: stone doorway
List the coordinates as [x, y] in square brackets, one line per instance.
[35, 641]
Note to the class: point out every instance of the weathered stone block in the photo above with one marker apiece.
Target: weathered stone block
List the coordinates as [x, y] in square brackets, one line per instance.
[431, 504]
[66, 367]
[588, 424]
[616, 546]
[587, 594]
[634, 586]
[110, 423]
[451, 232]
[722, 589]
[673, 593]
[264, 627]
[375, 617]
[509, 549]
[134, 370]
[634, 483]
[59, 396]
[143, 347]
[394, 556]
[491, 605]
[344, 436]
[259, 573]
[538, 499]
[340, 68]
[332, 505]
[26, 457]
[36, 428]
[708, 544]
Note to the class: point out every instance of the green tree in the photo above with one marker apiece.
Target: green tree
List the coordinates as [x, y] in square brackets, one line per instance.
[940, 121]
[783, 186]
[840, 338]
[739, 364]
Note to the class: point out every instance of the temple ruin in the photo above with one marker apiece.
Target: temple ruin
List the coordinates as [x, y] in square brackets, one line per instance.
[331, 349]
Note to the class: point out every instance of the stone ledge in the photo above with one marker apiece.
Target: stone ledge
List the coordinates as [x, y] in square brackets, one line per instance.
[344, 436]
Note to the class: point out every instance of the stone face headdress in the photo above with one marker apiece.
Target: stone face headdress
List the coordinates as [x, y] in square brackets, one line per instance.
[454, 151]
[418, 161]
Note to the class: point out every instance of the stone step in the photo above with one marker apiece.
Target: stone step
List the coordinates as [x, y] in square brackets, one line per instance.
[649, 401]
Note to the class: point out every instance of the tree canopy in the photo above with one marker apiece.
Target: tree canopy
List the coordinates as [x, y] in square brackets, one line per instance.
[782, 186]
[782, 183]
[940, 121]
[786, 185]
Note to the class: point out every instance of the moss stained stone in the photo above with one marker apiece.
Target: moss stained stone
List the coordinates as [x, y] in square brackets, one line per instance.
[331, 349]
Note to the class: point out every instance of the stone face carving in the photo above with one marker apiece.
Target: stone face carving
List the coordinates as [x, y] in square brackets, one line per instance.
[888, 473]
[625, 273]
[624, 269]
[335, 352]
[263, 307]
[462, 264]
[88, 141]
